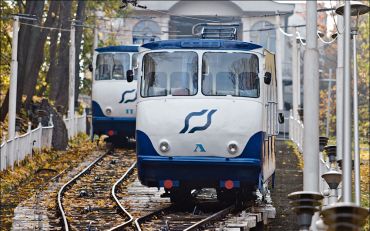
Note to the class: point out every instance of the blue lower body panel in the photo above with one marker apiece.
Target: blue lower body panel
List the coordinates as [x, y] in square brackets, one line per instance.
[198, 172]
[124, 127]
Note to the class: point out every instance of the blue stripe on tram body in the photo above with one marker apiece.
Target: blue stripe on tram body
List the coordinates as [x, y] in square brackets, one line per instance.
[124, 126]
[199, 171]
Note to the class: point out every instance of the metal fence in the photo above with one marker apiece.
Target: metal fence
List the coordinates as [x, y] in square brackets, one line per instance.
[15, 150]
[296, 129]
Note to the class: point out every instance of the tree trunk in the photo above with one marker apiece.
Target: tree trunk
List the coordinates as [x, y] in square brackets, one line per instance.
[27, 45]
[37, 55]
[33, 8]
[80, 16]
[53, 49]
[60, 78]
[60, 133]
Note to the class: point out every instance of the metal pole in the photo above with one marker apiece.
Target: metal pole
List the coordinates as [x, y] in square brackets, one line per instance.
[72, 61]
[311, 107]
[295, 74]
[279, 64]
[328, 104]
[355, 119]
[339, 89]
[13, 80]
[311, 103]
[347, 157]
[95, 45]
[13, 92]
[299, 74]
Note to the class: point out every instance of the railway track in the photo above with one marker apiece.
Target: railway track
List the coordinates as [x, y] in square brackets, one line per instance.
[107, 195]
[205, 213]
[174, 218]
[86, 201]
[148, 211]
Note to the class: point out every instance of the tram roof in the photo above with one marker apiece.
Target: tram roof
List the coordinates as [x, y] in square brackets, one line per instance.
[128, 48]
[209, 44]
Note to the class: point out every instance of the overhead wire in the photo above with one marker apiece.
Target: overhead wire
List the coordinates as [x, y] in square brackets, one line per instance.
[326, 42]
[85, 26]
[182, 16]
[284, 33]
[300, 39]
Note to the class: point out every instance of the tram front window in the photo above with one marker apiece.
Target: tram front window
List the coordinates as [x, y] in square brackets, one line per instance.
[234, 74]
[112, 66]
[170, 73]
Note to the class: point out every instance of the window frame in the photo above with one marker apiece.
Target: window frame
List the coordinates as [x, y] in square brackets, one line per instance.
[142, 77]
[111, 67]
[226, 52]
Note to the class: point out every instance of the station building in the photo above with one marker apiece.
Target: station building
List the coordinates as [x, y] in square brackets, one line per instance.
[257, 22]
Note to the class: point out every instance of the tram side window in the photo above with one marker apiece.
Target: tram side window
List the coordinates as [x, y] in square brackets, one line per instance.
[234, 74]
[170, 73]
[112, 66]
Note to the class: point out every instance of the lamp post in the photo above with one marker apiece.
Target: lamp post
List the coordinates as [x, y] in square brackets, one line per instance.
[305, 203]
[357, 9]
[347, 215]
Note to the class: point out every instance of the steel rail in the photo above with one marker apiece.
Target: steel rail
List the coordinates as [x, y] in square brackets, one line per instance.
[113, 192]
[65, 187]
[211, 217]
[147, 216]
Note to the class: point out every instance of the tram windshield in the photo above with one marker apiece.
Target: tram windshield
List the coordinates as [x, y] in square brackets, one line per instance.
[112, 66]
[170, 73]
[234, 74]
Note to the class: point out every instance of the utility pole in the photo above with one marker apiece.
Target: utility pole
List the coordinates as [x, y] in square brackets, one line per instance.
[13, 80]
[13, 89]
[72, 61]
[328, 104]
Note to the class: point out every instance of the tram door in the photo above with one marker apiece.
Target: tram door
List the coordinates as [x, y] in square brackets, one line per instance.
[271, 121]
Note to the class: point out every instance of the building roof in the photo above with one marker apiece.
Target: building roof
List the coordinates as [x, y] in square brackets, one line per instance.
[208, 44]
[118, 49]
[245, 6]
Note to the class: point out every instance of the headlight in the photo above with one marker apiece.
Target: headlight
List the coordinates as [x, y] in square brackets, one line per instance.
[232, 148]
[164, 146]
[108, 111]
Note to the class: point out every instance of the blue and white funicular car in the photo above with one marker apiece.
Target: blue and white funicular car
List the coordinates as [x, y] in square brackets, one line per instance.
[206, 116]
[113, 97]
